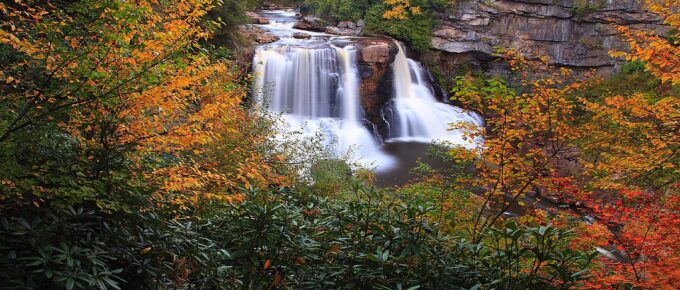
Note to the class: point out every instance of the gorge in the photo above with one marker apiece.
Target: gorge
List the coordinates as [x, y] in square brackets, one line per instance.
[340, 144]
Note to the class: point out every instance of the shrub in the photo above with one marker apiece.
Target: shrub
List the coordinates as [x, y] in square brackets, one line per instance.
[366, 238]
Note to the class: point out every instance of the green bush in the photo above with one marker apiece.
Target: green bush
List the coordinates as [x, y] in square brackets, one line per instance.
[416, 30]
[280, 238]
[338, 10]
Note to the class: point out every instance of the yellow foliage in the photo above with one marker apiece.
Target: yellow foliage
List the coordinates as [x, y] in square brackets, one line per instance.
[400, 9]
[148, 95]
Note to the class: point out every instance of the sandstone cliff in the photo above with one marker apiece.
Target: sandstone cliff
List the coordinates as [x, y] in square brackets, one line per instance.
[572, 33]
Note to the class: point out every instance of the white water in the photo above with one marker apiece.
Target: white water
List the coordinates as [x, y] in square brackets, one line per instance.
[317, 89]
[315, 86]
[419, 116]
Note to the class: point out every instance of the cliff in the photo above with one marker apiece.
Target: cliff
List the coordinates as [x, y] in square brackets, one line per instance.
[572, 33]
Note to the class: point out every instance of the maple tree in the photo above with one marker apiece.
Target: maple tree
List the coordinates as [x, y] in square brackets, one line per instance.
[129, 80]
[660, 52]
[516, 151]
[612, 157]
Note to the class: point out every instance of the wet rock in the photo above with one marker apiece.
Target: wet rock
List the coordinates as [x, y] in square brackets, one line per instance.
[256, 18]
[301, 35]
[257, 35]
[266, 38]
[376, 53]
[340, 31]
[347, 24]
[374, 56]
[311, 23]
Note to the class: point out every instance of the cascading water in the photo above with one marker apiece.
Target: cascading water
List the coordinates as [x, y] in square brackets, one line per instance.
[300, 81]
[314, 85]
[317, 90]
[417, 115]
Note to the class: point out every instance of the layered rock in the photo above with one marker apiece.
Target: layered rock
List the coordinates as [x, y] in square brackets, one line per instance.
[375, 55]
[346, 28]
[339, 31]
[572, 33]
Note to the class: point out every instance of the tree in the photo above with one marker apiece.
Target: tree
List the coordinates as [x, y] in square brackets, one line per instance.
[130, 86]
[612, 157]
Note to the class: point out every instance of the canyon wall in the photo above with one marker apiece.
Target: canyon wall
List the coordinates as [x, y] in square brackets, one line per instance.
[572, 33]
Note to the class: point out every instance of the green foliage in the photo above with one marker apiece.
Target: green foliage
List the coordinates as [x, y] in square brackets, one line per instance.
[330, 176]
[338, 10]
[365, 239]
[416, 29]
[224, 17]
[584, 7]
[76, 216]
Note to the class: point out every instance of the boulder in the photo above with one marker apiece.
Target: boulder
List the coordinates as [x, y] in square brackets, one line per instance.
[340, 31]
[266, 38]
[310, 23]
[375, 53]
[301, 35]
[347, 24]
[257, 35]
[374, 57]
[256, 18]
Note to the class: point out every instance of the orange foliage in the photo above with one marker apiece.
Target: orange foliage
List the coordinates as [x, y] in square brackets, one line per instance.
[615, 158]
[136, 81]
[518, 150]
[400, 9]
[660, 53]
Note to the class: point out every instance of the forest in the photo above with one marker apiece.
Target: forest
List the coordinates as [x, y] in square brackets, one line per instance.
[339, 144]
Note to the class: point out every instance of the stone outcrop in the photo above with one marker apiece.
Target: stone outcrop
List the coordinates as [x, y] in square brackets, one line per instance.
[346, 28]
[301, 35]
[257, 35]
[572, 33]
[374, 56]
[311, 23]
[340, 31]
[343, 28]
[256, 18]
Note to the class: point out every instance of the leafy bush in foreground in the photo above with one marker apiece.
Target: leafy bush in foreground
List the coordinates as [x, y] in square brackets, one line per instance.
[364, 239]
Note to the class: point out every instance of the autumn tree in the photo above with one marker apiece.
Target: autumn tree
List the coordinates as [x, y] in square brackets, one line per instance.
[612, 157]
[130, 88]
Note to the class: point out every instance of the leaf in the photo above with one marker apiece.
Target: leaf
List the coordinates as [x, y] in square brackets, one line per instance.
[69, 283]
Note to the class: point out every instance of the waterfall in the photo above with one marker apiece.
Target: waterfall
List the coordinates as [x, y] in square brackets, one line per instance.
[314, 85]
[417, 115]
[299, 81]
[316, 88]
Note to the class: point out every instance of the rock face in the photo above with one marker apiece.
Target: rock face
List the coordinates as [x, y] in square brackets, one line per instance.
[375, 56]
[310, 23]
[572, 33]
